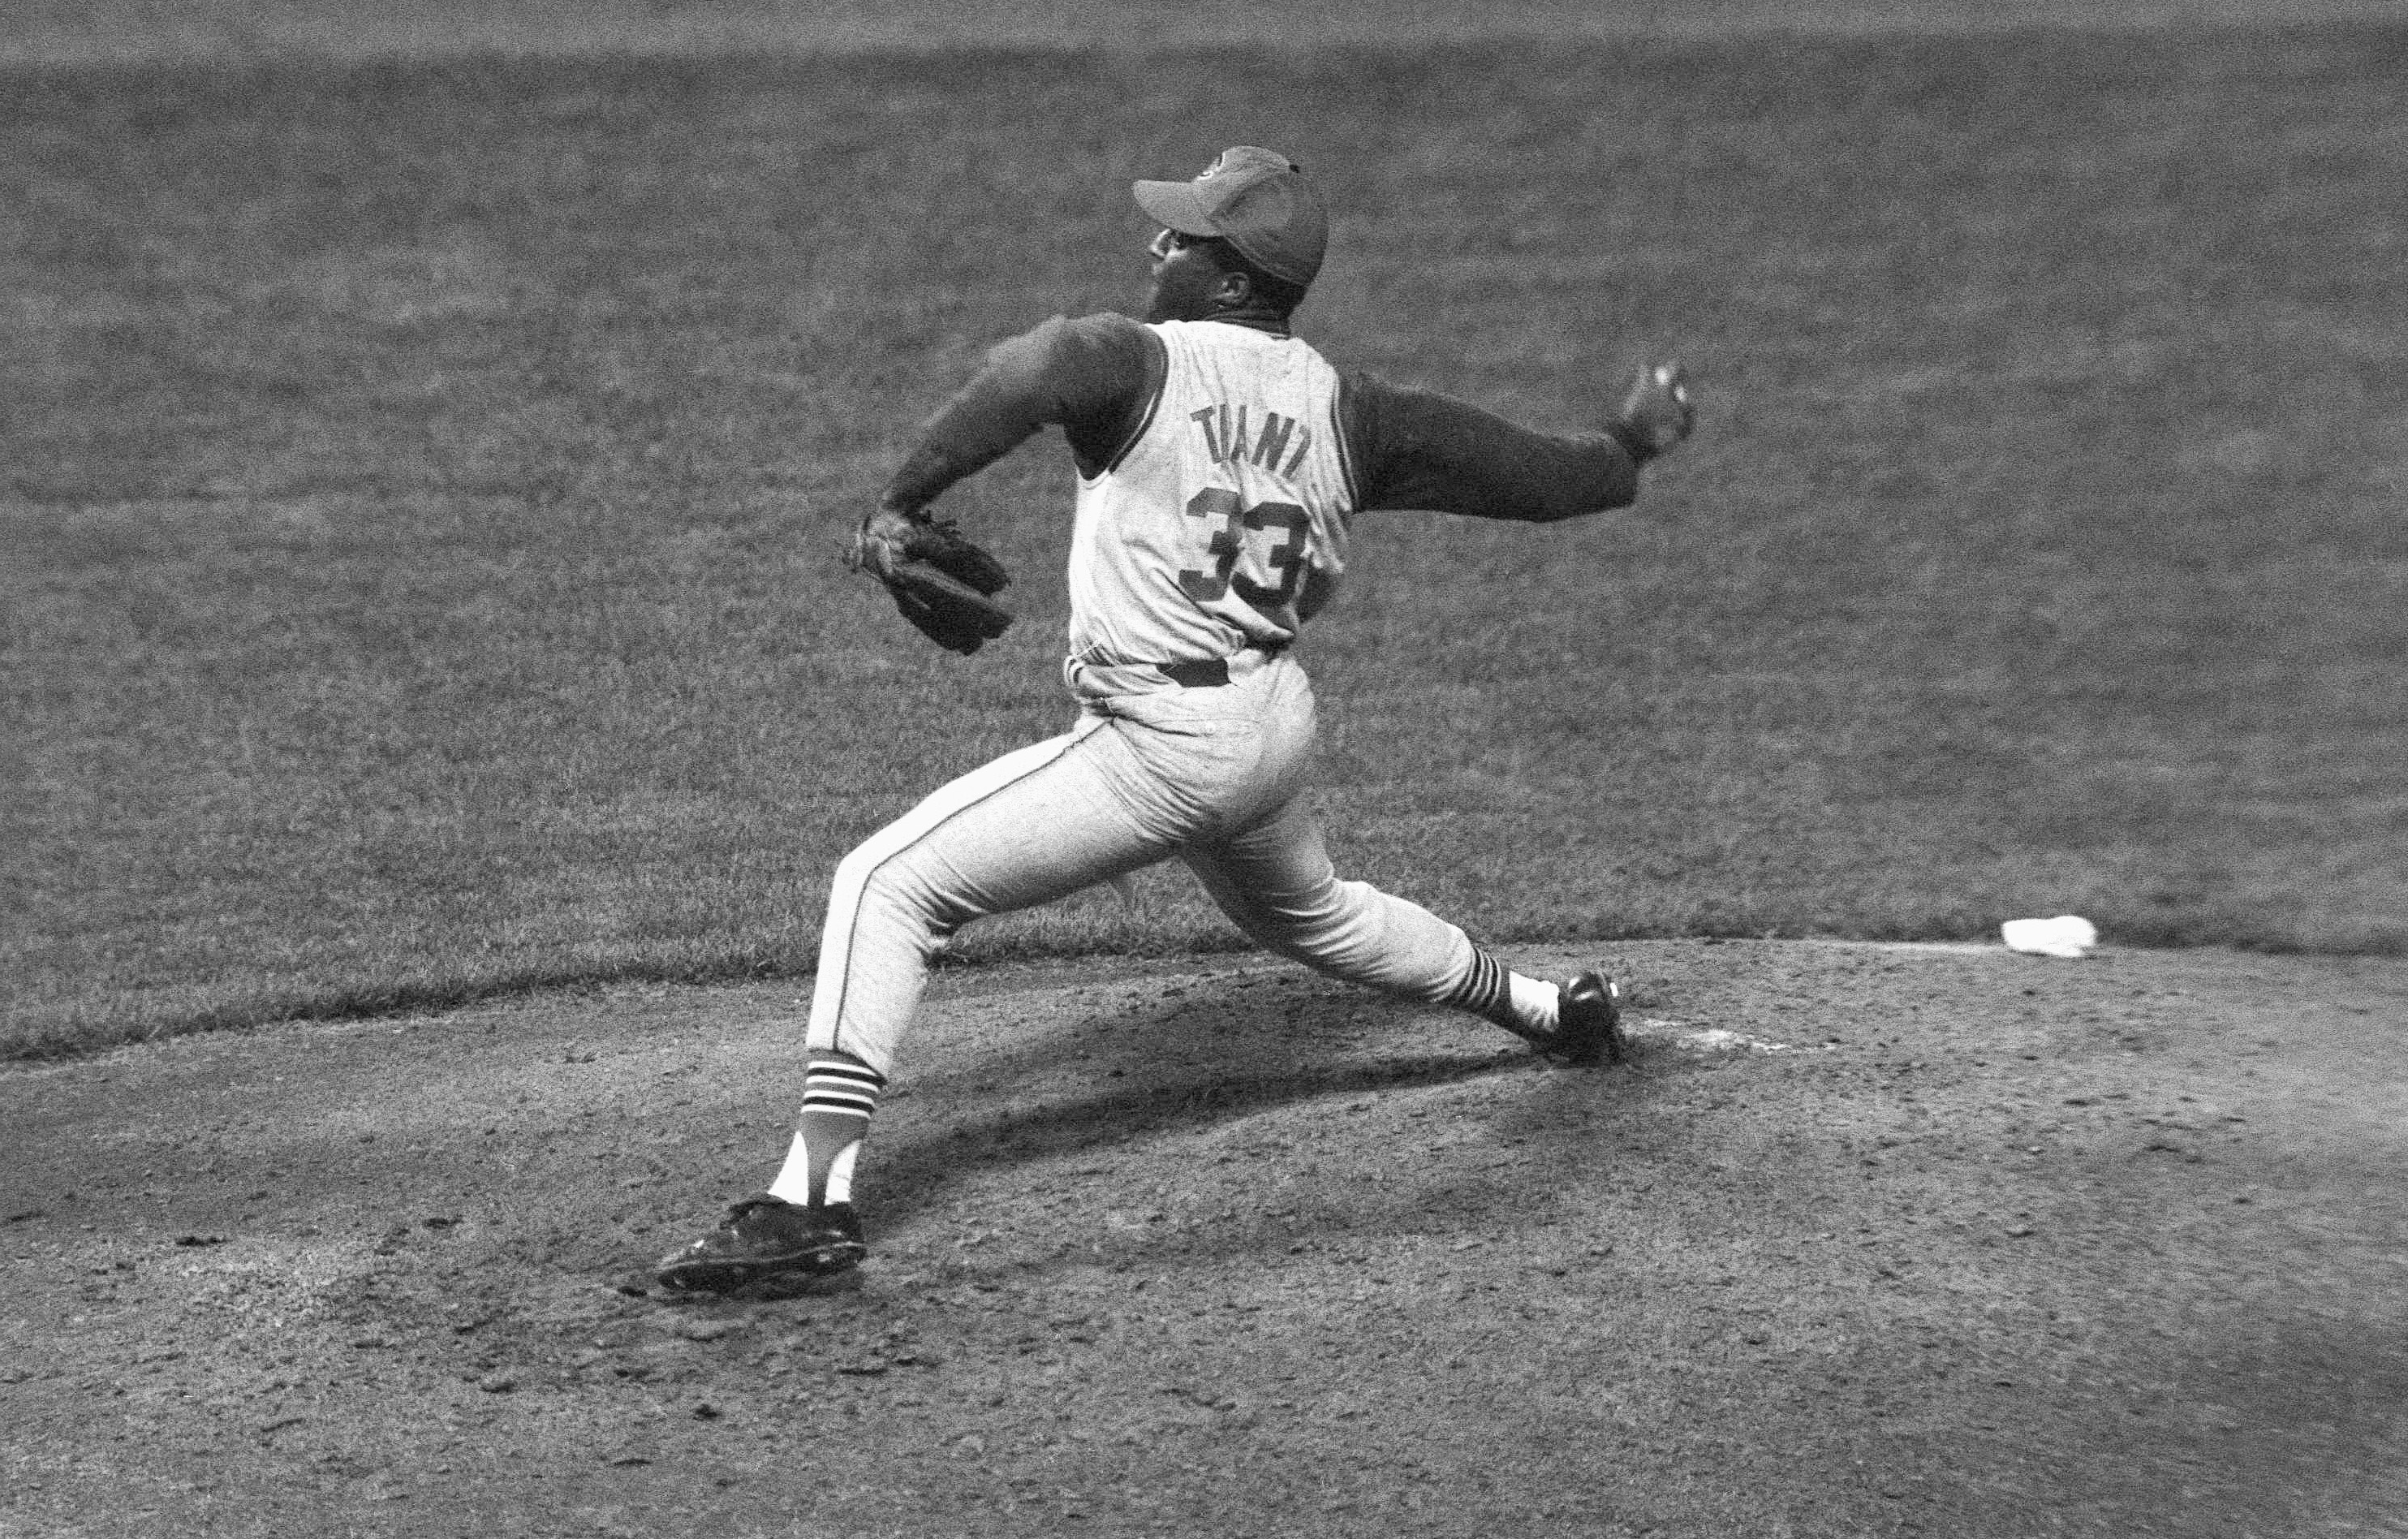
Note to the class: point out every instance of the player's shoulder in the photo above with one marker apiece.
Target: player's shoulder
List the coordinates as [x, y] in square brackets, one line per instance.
[1074, 351]
[1057, 333]
[1105, 334]
[1235, 338]
[1105, 328]
[1106, 322]
[1235, 332]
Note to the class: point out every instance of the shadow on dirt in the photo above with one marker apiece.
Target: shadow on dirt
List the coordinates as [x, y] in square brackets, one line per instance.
[914, 1173]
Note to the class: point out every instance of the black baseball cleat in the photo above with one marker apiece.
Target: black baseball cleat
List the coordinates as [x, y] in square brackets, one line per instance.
[1588, 1024]
[767, 1238]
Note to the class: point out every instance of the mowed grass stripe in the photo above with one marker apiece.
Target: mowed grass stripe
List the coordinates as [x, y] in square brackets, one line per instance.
[126, 32]
[424, 486]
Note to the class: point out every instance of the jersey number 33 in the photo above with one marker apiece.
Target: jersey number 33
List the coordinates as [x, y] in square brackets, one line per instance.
[1288, 531]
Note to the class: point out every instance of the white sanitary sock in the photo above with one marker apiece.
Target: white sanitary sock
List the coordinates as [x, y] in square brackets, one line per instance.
[1538, 1002]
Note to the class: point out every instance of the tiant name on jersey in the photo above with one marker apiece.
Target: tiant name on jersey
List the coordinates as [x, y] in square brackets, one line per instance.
[1226, 437]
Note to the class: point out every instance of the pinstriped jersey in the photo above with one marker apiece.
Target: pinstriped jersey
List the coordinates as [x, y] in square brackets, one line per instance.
[1222, 521]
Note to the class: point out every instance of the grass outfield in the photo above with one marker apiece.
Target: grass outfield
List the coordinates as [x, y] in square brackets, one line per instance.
[423, 484]
[129, 31]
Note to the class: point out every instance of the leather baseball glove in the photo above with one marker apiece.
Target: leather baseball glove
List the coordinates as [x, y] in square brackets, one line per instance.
[943, 583]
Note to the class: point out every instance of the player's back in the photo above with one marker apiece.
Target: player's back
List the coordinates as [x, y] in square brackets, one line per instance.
[1227, 507]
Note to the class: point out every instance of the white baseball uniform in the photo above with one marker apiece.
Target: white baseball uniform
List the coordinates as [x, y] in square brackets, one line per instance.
[1221, 468]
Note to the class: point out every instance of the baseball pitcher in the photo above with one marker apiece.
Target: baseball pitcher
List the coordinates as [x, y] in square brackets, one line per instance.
[1222, 461]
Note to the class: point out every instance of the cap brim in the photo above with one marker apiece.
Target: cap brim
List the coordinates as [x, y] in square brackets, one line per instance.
[1174, 205]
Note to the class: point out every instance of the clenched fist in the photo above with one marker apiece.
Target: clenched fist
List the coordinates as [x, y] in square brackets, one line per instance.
[1657, 413]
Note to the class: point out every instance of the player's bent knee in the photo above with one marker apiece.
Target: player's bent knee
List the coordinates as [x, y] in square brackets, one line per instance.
[854, 871]
[1301, 936]
[882, 881]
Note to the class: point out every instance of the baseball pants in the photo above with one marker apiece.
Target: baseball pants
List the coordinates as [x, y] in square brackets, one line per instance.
[1214, 775]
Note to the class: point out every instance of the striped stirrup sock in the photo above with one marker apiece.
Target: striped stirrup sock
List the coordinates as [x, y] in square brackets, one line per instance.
[1494, 991]
[838, 1096]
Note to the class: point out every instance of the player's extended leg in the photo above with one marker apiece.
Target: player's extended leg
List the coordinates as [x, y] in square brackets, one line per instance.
[1275, 880]
[1032, 827]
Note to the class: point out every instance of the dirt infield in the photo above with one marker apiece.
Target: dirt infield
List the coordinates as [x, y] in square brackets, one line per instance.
[121, 31]
[1868, 1239]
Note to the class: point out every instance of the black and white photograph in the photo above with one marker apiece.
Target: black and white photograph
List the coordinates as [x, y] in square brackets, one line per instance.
[971, 769]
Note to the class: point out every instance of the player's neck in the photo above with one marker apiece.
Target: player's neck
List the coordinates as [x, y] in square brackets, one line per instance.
[1252, 317]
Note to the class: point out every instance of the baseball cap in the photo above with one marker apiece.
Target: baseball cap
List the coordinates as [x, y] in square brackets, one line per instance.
[1255, 199]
